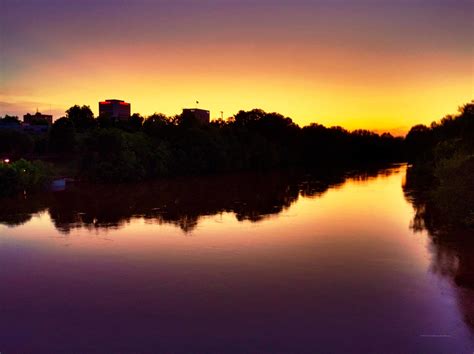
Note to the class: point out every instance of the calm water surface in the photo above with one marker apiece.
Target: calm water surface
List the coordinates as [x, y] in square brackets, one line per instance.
[249, 263]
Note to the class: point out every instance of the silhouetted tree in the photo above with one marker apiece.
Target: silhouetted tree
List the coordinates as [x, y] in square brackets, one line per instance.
[419, 142]
[135, 122]
[81, 117]
[248, 119]
[157, 125]
[103, 121]
[62, 136]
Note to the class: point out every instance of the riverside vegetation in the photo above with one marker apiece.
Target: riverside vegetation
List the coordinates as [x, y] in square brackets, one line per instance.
[441, 178]
[103, 150]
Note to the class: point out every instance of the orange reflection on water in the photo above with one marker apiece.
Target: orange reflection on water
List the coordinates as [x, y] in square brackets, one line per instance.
[297, 258]
[348, 215]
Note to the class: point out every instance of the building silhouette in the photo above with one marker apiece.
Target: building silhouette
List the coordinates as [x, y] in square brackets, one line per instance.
[116, 109]
[38, 119]
[200, 115]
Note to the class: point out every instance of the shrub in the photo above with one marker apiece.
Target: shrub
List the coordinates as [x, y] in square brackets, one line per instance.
[23, 175]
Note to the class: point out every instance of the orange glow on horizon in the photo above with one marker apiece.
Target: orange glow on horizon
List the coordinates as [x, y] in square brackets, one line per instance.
[369, 73]
[369, 98]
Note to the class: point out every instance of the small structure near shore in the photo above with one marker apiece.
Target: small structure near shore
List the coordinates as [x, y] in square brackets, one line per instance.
[59, 184]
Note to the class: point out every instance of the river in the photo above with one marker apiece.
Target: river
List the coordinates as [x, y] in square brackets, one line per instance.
[249, 263]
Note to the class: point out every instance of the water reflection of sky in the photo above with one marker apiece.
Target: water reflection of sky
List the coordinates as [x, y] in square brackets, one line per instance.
[340, 264]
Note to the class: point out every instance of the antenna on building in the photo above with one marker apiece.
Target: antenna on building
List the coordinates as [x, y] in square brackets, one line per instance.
[222, 114]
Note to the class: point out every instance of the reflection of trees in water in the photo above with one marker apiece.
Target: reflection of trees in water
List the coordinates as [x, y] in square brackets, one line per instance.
[20, 209]
[180, 201]
[452, 249]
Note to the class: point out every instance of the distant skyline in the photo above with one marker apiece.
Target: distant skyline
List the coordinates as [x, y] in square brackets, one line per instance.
[379, 65]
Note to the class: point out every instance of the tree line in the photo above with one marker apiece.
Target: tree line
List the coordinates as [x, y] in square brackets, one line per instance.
[440, 181]
[108, 150]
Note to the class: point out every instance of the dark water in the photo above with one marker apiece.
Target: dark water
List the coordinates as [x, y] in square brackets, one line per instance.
[332, 263]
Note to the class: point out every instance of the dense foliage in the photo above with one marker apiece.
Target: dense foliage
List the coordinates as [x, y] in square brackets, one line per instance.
[21, 176]
[138, 149]
[443, 165]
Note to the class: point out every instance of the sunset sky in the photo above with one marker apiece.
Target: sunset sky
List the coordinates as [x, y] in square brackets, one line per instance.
[382, 65]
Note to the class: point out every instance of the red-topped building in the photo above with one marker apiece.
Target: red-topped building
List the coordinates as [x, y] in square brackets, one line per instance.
[116, 109]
